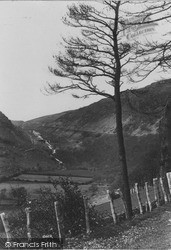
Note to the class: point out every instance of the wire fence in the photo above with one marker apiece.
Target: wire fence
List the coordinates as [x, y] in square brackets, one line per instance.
[143, 200]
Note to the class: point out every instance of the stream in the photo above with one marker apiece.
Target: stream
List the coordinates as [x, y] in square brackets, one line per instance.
[53, 151]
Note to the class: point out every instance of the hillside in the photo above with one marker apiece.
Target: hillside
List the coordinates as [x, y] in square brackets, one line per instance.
[86, 137]
[18, 152]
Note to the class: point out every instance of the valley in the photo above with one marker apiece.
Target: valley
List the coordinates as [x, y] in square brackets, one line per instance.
[85, 139]
[81, 144]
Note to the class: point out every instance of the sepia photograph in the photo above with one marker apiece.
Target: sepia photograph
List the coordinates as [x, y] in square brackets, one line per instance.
[85, 124]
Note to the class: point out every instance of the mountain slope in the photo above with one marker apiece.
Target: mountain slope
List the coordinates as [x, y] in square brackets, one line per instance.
[18, 152]
[86, 138]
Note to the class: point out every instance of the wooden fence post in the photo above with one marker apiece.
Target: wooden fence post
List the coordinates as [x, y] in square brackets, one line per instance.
[156, 191]
[121, 195]
[28, 210]
[59, 220]
[148, 196]
[169, 180]
[114, 215]
[6, 226]
[86, 209]
[138, 198]
[166, 187]
[132, 191]
[163, 190]
[146, 206]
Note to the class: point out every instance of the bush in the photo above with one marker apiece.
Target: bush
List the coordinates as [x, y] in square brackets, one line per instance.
[3, 194]
[74, 212]
[43, 219]
[93, 188]
[20, 194]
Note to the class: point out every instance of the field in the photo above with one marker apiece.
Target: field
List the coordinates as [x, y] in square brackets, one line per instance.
[34, 187]
[33, 181]
[100, 200]
[46, 178]
[73, 172]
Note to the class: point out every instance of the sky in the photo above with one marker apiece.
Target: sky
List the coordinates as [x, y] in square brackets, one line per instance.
[30, 34]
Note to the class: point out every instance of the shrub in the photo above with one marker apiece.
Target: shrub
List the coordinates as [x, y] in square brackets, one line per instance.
[20, 194]
[93, 188]
[43, 220]
[72, 205]
[3, 194]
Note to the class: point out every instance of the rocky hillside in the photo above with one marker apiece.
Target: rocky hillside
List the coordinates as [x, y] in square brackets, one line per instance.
[18, 152]
[86, 138]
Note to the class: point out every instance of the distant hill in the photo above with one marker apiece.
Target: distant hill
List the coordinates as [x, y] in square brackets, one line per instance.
[18, 123]
[86, 137]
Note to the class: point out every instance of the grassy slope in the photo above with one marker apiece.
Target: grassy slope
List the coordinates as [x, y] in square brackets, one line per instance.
[15, 153]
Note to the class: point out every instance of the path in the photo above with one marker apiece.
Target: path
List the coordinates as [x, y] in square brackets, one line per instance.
[149, 231]
[154, 232]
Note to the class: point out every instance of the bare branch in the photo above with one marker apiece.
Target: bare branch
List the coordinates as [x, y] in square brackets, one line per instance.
[99, 52]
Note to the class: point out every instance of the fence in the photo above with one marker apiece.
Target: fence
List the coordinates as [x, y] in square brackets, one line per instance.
[143, 199]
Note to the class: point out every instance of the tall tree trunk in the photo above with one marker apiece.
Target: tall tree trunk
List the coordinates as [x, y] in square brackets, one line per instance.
[122, 155]
[164, 133]
[119, 128]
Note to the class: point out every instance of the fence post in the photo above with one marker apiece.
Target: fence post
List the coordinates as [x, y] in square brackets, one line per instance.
[148, 196]
[163, 190]
[86, 209]
[166, 187]
[6, 226]
[59, 220]
[114, 215]
[132, 191]
[156, 191]
[28, 210]
[169, 180]
[138, 198]
[121, 195]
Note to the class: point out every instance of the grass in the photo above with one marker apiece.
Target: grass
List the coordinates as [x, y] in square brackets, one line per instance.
[47, 178]
[33, 187]
[73, 172]
[34, 183]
